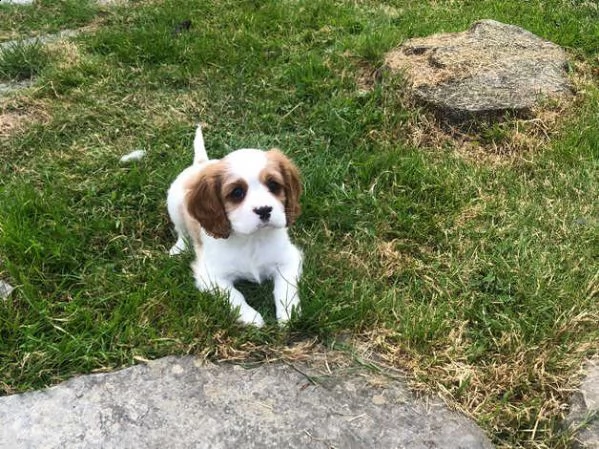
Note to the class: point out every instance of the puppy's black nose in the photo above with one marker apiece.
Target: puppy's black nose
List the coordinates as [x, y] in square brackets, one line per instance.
[263, 212]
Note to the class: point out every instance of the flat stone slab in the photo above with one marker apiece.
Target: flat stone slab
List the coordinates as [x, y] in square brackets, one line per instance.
[7, 87]
[45, 39]
[584, 412]
[30, 2]
[182, 403]
[488, 70]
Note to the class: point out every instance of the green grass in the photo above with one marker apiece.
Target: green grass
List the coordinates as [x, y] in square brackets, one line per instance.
[22, 60]
[476, 275]
[44, 16]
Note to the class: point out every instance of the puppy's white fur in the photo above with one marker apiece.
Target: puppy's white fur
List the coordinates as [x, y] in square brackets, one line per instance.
[235, 211]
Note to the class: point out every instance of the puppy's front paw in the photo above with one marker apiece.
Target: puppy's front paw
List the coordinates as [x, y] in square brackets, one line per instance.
[250, 317]
[175, 251]
[178, 247]
[284, 315]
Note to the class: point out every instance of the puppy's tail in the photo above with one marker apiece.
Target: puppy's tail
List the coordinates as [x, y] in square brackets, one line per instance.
[199, 150]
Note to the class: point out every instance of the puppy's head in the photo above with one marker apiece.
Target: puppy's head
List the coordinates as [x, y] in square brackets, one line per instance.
[246, 191]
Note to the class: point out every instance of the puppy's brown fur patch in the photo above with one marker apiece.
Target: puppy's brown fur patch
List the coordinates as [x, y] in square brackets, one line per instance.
[205, 201]
[280, 167]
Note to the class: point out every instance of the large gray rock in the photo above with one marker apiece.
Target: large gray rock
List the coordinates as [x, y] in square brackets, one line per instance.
[180, 403]
[584, 412]
[491, 69]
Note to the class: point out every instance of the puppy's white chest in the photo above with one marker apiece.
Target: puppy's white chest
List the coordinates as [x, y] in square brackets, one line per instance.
[252, 263]
[253, 258]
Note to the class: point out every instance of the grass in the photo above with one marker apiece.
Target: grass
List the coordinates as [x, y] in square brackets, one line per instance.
[22, 60]
[44, 16]
[476, 275]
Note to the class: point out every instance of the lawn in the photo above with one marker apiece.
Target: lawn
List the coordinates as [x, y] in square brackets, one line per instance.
[473, 268]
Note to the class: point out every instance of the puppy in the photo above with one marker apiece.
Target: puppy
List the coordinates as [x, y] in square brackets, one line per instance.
[235, 212]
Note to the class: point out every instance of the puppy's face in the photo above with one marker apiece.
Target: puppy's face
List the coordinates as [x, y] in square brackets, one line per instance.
[246, 191]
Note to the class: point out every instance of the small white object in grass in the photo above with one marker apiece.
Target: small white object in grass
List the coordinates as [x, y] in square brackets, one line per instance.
[5, 289]
[16, 2]
[133, 156]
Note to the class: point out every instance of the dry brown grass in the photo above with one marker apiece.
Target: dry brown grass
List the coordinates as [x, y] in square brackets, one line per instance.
[9, 121]
[19, 111]
[310, 354]
[504, 394]
[499, 144]
[64, 53]
[392, 261]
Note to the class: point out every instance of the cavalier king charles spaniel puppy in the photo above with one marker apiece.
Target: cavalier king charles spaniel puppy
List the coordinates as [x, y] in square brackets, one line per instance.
[235, 213]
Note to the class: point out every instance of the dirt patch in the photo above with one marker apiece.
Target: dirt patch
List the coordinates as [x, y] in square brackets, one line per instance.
[9, 121]
[18, 112]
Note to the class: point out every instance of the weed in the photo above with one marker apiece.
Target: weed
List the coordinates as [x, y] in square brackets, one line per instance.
[22, 60]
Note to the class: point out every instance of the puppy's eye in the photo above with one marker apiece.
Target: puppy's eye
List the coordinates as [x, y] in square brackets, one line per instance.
[273, 186]
[237, 194]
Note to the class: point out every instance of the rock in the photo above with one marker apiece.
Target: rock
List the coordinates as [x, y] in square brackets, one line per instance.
[12, 86]
[111, 2]
[136, 155]
[5, 289]
[182, 27]
[45, 39]
[584, 410]
[483, 73]
[179, 403]
[29, 2]
[16, 2]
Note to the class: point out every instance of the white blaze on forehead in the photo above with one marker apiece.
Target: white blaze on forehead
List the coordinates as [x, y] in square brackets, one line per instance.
[246, 163]
[246, 167]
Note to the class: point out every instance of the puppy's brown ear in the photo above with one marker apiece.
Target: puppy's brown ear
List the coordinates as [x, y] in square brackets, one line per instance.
[293, 186]
[205, 202]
